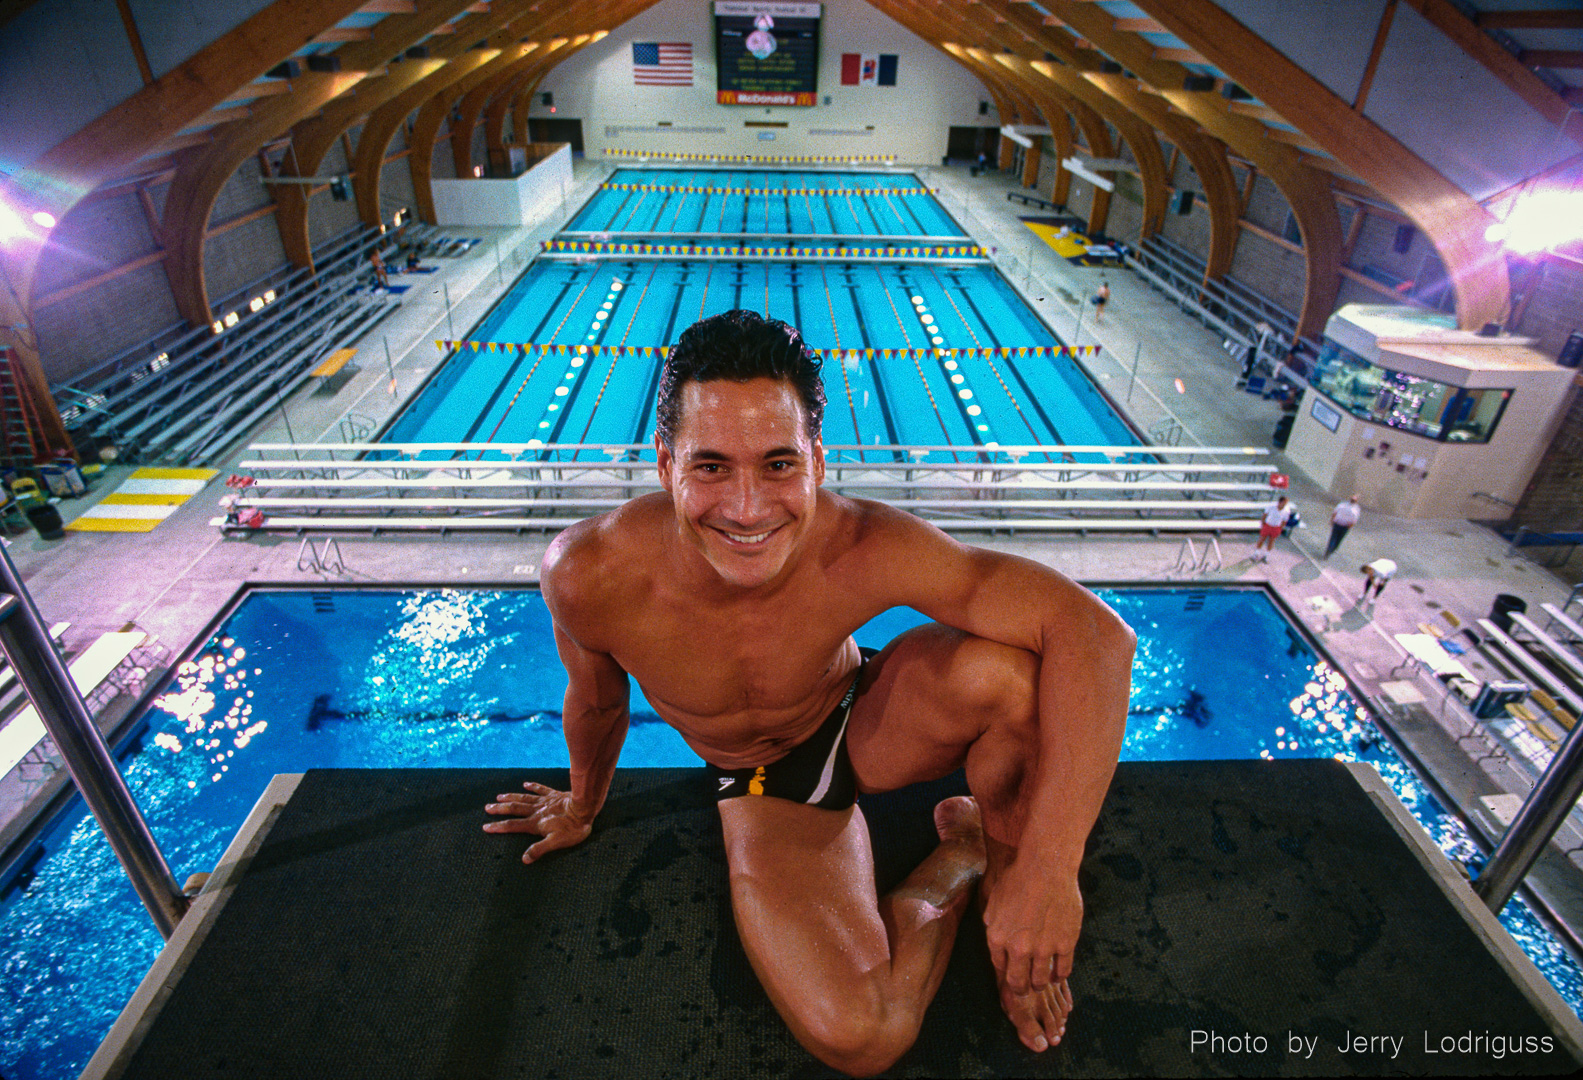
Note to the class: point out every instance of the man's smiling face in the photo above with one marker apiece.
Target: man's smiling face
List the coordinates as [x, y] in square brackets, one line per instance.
[744, 475]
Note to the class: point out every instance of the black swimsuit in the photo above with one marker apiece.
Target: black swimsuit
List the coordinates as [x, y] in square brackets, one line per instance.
[817, 771]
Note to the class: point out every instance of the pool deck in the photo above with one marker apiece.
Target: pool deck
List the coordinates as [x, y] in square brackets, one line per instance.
[172, 581]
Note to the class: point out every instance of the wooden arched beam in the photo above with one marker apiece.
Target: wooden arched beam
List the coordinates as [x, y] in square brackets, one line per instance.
[1096, 136]
[467, 112]
[1139, 137]
[368, 159]
[1207, 155]
[1307, 192]
[1092, 108]
[311, 139]
[190, 199]
[430, 118]
[1448, 216]
[111, 143]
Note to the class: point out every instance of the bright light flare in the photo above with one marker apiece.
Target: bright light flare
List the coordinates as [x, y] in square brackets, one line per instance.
[1541, 220]
[43, 219]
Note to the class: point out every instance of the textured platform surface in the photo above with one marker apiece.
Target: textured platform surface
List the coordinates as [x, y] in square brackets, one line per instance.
[380, 933]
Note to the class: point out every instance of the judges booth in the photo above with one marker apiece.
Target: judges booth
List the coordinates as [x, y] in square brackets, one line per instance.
[1422, 420]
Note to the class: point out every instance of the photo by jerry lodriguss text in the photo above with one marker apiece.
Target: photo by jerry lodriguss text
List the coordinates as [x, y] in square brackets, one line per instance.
[1391, 1046]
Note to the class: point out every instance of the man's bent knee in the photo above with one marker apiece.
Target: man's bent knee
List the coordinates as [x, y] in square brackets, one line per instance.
[999, 683]
[856, 1040]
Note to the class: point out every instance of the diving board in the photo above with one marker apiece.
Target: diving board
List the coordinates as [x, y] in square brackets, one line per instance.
[368, 927]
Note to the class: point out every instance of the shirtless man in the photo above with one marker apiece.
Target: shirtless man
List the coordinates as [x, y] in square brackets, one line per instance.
[731, 598]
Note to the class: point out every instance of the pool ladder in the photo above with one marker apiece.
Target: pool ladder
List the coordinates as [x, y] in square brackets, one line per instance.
[325, 561]
[1189, 561]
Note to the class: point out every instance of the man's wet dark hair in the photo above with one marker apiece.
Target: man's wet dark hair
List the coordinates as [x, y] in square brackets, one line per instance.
[739, 345]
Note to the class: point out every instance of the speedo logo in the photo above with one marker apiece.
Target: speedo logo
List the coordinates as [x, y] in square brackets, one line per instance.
[727, 781]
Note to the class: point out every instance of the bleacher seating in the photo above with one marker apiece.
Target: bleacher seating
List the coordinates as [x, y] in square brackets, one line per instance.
[182, 398]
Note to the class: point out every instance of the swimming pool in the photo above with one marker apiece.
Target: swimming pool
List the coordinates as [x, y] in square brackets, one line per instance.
[749, 203]
[597, 385]
[297, 679]
[919, 349]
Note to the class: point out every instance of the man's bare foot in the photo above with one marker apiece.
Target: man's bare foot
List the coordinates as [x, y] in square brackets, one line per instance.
[960, 825]
[1040, 1015]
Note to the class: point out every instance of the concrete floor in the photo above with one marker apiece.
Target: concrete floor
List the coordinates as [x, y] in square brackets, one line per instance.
[173, 580]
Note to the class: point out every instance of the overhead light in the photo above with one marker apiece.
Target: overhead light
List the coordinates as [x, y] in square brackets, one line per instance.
[255, 304]
[231, 318]
[217, 326]
[269, 296]
[478, 170]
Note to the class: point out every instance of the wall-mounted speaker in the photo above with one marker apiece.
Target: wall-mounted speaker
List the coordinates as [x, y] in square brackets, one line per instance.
[983, 108]
[1198, 84]
[326, 63]
[286, 69]
[1184, 202]
[1404, 239]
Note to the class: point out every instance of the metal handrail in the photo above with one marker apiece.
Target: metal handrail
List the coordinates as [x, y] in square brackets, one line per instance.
[45, 678]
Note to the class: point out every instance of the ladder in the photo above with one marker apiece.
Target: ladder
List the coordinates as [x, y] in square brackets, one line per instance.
[19, 421]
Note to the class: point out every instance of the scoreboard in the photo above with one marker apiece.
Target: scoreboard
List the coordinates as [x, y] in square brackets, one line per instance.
[766, 53]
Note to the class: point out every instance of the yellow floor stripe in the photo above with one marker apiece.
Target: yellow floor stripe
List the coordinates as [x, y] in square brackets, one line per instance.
[120, 498]
[87, 524]
[174, 474]
[145, 498]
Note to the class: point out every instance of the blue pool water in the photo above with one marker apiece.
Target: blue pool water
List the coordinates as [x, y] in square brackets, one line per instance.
[742, 202]
[606, 395]
[457, 678]
[606, 319]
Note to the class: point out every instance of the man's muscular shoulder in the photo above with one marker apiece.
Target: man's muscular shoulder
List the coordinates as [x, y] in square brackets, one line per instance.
[602, 566]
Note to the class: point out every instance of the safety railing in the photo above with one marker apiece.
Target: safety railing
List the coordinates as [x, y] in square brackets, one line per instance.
[378, 487]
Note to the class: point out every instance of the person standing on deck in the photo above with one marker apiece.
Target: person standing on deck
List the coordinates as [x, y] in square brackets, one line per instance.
[1270, 527]
[731, 597]
[1342, 519]
[1101, 298]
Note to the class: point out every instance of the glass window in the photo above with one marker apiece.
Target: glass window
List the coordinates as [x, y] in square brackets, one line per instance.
[1424, 407]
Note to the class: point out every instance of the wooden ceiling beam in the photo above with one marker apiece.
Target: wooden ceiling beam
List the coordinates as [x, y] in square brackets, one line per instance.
[1503, 65]
[1559, 59]
[312, 138]
[389, 7]
[255, 90]
[336, 35]
[192, 194]
[1180, 56]
[114, 142]
[1529, 20]
[1307, 192]
[1206, 154]
[1137, 26]
[1453, 222]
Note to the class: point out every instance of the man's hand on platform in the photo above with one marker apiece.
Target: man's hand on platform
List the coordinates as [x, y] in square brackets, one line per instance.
[544, 812]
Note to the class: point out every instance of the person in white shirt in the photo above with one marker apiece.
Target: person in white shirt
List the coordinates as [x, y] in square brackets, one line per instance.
[1375, 575]
[1345, 516]
[1275, 516]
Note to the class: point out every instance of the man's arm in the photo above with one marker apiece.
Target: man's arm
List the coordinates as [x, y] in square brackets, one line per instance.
[1035, 911]
[594, 718]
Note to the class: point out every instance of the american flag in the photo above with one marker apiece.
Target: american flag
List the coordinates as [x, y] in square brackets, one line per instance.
[662, 64]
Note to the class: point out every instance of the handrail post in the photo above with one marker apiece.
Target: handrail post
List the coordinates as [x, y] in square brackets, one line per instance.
[49, 685]
[1536, 822]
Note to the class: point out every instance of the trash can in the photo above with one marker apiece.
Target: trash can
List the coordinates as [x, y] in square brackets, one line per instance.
[1505, 604]
[45, 519]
